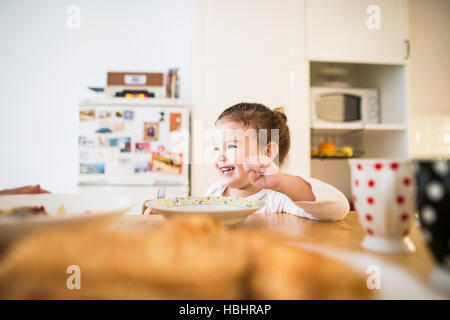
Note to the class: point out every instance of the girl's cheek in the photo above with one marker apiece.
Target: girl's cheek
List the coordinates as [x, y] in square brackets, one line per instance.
[241, 171]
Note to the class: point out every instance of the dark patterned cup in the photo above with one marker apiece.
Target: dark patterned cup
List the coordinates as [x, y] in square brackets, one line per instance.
[433, 202]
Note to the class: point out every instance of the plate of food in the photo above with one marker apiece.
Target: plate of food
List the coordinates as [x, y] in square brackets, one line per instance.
[229, 210]
[21, 214]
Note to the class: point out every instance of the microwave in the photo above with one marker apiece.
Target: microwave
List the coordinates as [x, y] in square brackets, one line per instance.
[331, 106]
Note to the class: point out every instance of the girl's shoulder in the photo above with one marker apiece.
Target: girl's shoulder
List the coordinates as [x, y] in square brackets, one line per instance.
[216, 189]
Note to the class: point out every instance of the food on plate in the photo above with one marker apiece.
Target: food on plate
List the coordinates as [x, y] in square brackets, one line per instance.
[30, 211]
[22, 212]
[189, 257]
[61, 210]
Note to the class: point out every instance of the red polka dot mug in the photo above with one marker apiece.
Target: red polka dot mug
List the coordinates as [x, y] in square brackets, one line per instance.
[384, 196]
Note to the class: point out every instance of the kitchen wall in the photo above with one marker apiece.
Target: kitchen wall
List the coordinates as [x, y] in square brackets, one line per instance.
[45, 68]
[429, 78]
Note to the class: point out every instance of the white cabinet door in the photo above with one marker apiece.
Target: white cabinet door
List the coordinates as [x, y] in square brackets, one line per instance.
[250, 51]
[371, 31]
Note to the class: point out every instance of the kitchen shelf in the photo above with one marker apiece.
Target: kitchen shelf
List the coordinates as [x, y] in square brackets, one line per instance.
[337, 128]
[357, 155]
[350, 138]
[385, 127]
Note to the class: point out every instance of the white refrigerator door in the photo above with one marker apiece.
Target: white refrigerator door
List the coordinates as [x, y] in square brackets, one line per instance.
[131, 145]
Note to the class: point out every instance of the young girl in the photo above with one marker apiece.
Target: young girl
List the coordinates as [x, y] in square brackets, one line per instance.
[249, 168]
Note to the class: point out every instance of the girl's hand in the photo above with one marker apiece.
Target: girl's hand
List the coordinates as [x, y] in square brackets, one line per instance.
[146, 211]
[262, 172]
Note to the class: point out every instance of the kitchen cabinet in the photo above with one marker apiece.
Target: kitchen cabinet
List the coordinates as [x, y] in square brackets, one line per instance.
[366, 31]
[387, 139]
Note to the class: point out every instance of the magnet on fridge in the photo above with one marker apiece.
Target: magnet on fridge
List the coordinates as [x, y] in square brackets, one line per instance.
[104, 114]
[123, 160]
[92, 168]
[167, 163]
[142, 147]
[118, 126]
[87, 114]
[102, 141]
[124, 144]
[104, 130]
[119, 114]
[161, 149]
[84, 141]
[141, 166]
[162, 114]
[128, 115]
[175, 121]
[151, 131]
[113, 142]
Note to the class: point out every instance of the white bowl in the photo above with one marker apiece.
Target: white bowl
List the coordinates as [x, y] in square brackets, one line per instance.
[229, 210]
[74, 209]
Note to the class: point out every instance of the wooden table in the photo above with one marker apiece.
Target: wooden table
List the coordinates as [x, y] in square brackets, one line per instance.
[337, 237]
[344, 236]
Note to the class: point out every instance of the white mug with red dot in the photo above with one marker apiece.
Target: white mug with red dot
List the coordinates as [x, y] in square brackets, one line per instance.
[384, 196]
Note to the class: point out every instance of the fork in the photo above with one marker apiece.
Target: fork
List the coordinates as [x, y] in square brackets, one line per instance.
[161, 195]
[161, 192]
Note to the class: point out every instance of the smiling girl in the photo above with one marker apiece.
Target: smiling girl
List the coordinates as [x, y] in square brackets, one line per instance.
[248, 166]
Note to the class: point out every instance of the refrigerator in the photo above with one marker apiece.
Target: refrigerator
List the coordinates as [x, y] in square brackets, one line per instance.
[133, 146]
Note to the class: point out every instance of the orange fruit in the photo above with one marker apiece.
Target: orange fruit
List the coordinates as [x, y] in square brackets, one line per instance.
[327, 146]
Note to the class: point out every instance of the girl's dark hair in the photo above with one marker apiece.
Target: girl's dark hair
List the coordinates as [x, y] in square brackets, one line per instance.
[258, 116]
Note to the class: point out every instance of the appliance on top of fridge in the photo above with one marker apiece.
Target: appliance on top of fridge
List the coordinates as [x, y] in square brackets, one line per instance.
[134, 146]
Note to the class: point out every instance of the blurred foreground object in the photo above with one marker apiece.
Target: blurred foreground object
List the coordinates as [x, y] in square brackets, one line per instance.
[433, 202]
[182, 258]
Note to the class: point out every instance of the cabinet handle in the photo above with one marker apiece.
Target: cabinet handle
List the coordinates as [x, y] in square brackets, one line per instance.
[407, 49]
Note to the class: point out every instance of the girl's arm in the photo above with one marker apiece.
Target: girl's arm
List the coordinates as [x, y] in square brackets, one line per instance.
[294, 187]
[314, 196]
